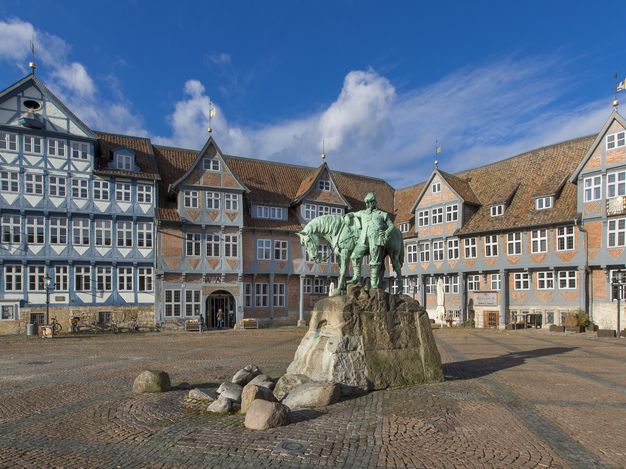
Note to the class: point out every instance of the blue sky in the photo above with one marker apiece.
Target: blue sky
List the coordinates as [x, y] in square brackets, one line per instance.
[378, 82]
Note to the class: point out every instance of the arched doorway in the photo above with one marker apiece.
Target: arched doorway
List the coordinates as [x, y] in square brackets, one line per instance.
[225, 301]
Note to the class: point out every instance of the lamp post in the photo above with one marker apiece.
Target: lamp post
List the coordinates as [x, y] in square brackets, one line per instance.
[618, 288]
[48, 286]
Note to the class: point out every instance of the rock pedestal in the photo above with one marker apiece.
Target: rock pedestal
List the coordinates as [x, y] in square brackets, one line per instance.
[367, 341]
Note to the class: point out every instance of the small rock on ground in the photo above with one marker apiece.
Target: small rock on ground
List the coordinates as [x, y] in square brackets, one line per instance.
[151, 381]
[246, 374]
[252, 392]
[312, 394]
[263, 414]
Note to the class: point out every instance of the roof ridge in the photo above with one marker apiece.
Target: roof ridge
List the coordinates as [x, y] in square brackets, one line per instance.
[170, 147]
[115, 134]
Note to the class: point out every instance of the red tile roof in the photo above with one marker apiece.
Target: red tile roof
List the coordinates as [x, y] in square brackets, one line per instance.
[141, 147]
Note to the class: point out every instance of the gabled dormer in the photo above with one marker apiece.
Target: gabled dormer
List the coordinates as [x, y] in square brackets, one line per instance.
[502, 199]
[123, 159]
[318, 195]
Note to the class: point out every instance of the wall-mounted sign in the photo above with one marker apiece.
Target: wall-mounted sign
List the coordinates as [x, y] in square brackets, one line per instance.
[486, 298]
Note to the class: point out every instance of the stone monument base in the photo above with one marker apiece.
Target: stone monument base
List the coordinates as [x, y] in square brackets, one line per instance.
[367, 341]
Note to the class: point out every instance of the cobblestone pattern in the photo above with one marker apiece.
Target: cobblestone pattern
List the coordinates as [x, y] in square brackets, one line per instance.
[518, 399]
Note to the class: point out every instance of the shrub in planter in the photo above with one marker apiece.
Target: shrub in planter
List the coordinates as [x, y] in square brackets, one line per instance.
[606, 333]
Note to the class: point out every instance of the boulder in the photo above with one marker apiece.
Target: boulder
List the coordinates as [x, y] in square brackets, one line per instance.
[199, 394]
[263, 414]
[222, 405]
[251, 392]
[312, 394]
[151, 381]
[246, 374]
[287, 382]
[230, 390]
[263, 380]
[368, 341]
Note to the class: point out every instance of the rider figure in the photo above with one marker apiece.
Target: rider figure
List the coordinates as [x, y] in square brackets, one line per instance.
[376, 227]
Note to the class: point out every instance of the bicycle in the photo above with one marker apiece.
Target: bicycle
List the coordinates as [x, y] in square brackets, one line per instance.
[56, 327]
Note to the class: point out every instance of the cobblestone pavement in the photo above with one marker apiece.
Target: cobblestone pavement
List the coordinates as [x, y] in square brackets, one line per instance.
[518, 399]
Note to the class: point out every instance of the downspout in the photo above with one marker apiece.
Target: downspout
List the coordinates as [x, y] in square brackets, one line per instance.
[588, 291]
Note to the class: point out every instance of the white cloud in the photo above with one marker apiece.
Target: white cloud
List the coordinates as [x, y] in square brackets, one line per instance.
[106, 110]
[220, 58]
[479, 115]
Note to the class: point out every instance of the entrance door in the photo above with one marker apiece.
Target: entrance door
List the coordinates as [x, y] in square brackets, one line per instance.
[224, 301]
[491, 319]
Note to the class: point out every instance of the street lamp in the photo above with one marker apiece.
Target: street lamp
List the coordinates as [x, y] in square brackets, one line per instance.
[48, 286]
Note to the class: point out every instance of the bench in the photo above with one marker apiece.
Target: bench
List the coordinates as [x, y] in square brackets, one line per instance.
[193, 325]
[250, 323]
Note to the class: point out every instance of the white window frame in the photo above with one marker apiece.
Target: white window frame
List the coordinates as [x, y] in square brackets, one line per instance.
[616, 232]
[33, 144]
[473, 282]
[125, 279]
[144, 193]
[539, 241]
[424, 251]
[281, 250]
[61, 278]
[521, 281]
[568, 280]
[247, 295]
[82, 278]
[592, 188]
[210, 164]
[11, 229]
[453, 249]
[323, 185]
[124, 162]
[496, 282]
[310, 211]
[8, 141]
[33, 184]
[35, 230]
[261, 295]
[616, 184]
[80, 188]
[496, 210]
[124, 234]
[279, 295]
[514, 244]
[192, 302]
[231, 202]
[451, 284]
[435, 187]
[491, 245]
[544, 203]
[104, 278]
[615, 140]
[565, 236]
[123, 192]
[212, 200]
[80, 150]
[412, 253]
[13, 278]
[190, 199]
[144, 234]
[58, 231]
[404, 227]
[231, 245]
[438, 251]
[545, 280]
[81, 232]
[10, 181]
[264, 249]
[172, 303]
[36, 278]
[452, 213]
[213, 245]
[423, 217]
[57, 186]
[193, 242]
[145, 279]
[470, 248]
[437, 216]
[56, 147]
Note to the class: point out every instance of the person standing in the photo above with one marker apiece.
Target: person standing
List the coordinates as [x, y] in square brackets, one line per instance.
[220, 318]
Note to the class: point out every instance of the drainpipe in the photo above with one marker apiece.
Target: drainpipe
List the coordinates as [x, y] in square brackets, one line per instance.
[588, 291]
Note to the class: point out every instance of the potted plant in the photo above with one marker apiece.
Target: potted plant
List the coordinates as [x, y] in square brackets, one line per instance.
[572, 322]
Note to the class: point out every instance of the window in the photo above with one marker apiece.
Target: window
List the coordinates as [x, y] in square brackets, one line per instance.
[411, 253]
[430, 285]
[615, 140]
[422, 217]
[123, 192]
[231, 245]
[172, 303]
[521, 281]
[124, 161]
[80, 150]
[453, 249]
[192, 244]
[542, 203]
[491, 246]
[310, 211]
[436, 187]
[451, 284]
[593, 188]
[11, 229]
[404, 227]
[616, 232]
[209, 164]
[57, 186]
[32, 144]
[231, 202]
[9, 181]
[124, 279]
[495, 282]
[320, 286]
[13, 277]
[82, 278]
[144, 275]
[144, 194]
[280, 250]
[616, 184]
[323, 210]
[102, 232]
[438, 251]
[261, 294]
[144, 235]
[565, 238]
[58, 230]
[263, 249]
[496, 210]
[34, 230]
[101, 190]
[56, 147]
[80, 232]
[36, 277]
[336, 210]
[213, 245]
[545, 280]
[213, 200]
[470, 248]
[275, 213]
[514, 244]
[424, 248]
[33, 184]
[473, 282]
[8, 312]
[104, 278]
[124, 234]
[567, 279]
[190, 199]
[80, 188]
[247, 294]
[326, 254]
[8, 141]
[323, 185]
[452, 213]
[437, 215]
[61, 278]
[279, 295]
[192, 302]
[539, 241]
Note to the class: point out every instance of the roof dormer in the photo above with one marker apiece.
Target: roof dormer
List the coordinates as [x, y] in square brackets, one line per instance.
[123, 160]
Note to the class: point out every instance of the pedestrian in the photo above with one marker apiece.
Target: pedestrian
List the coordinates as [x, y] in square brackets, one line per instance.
[220, 318]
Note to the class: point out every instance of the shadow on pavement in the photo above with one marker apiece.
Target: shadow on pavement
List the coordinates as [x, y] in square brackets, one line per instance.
[470, 369]
[303, 415]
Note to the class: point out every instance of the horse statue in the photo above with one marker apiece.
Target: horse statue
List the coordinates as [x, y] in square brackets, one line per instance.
[342, 238]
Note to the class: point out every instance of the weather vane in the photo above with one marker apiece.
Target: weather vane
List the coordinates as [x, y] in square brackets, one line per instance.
[437, 153]
[212, 114]
[323, 150]
[619, 86]
[32, 63]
